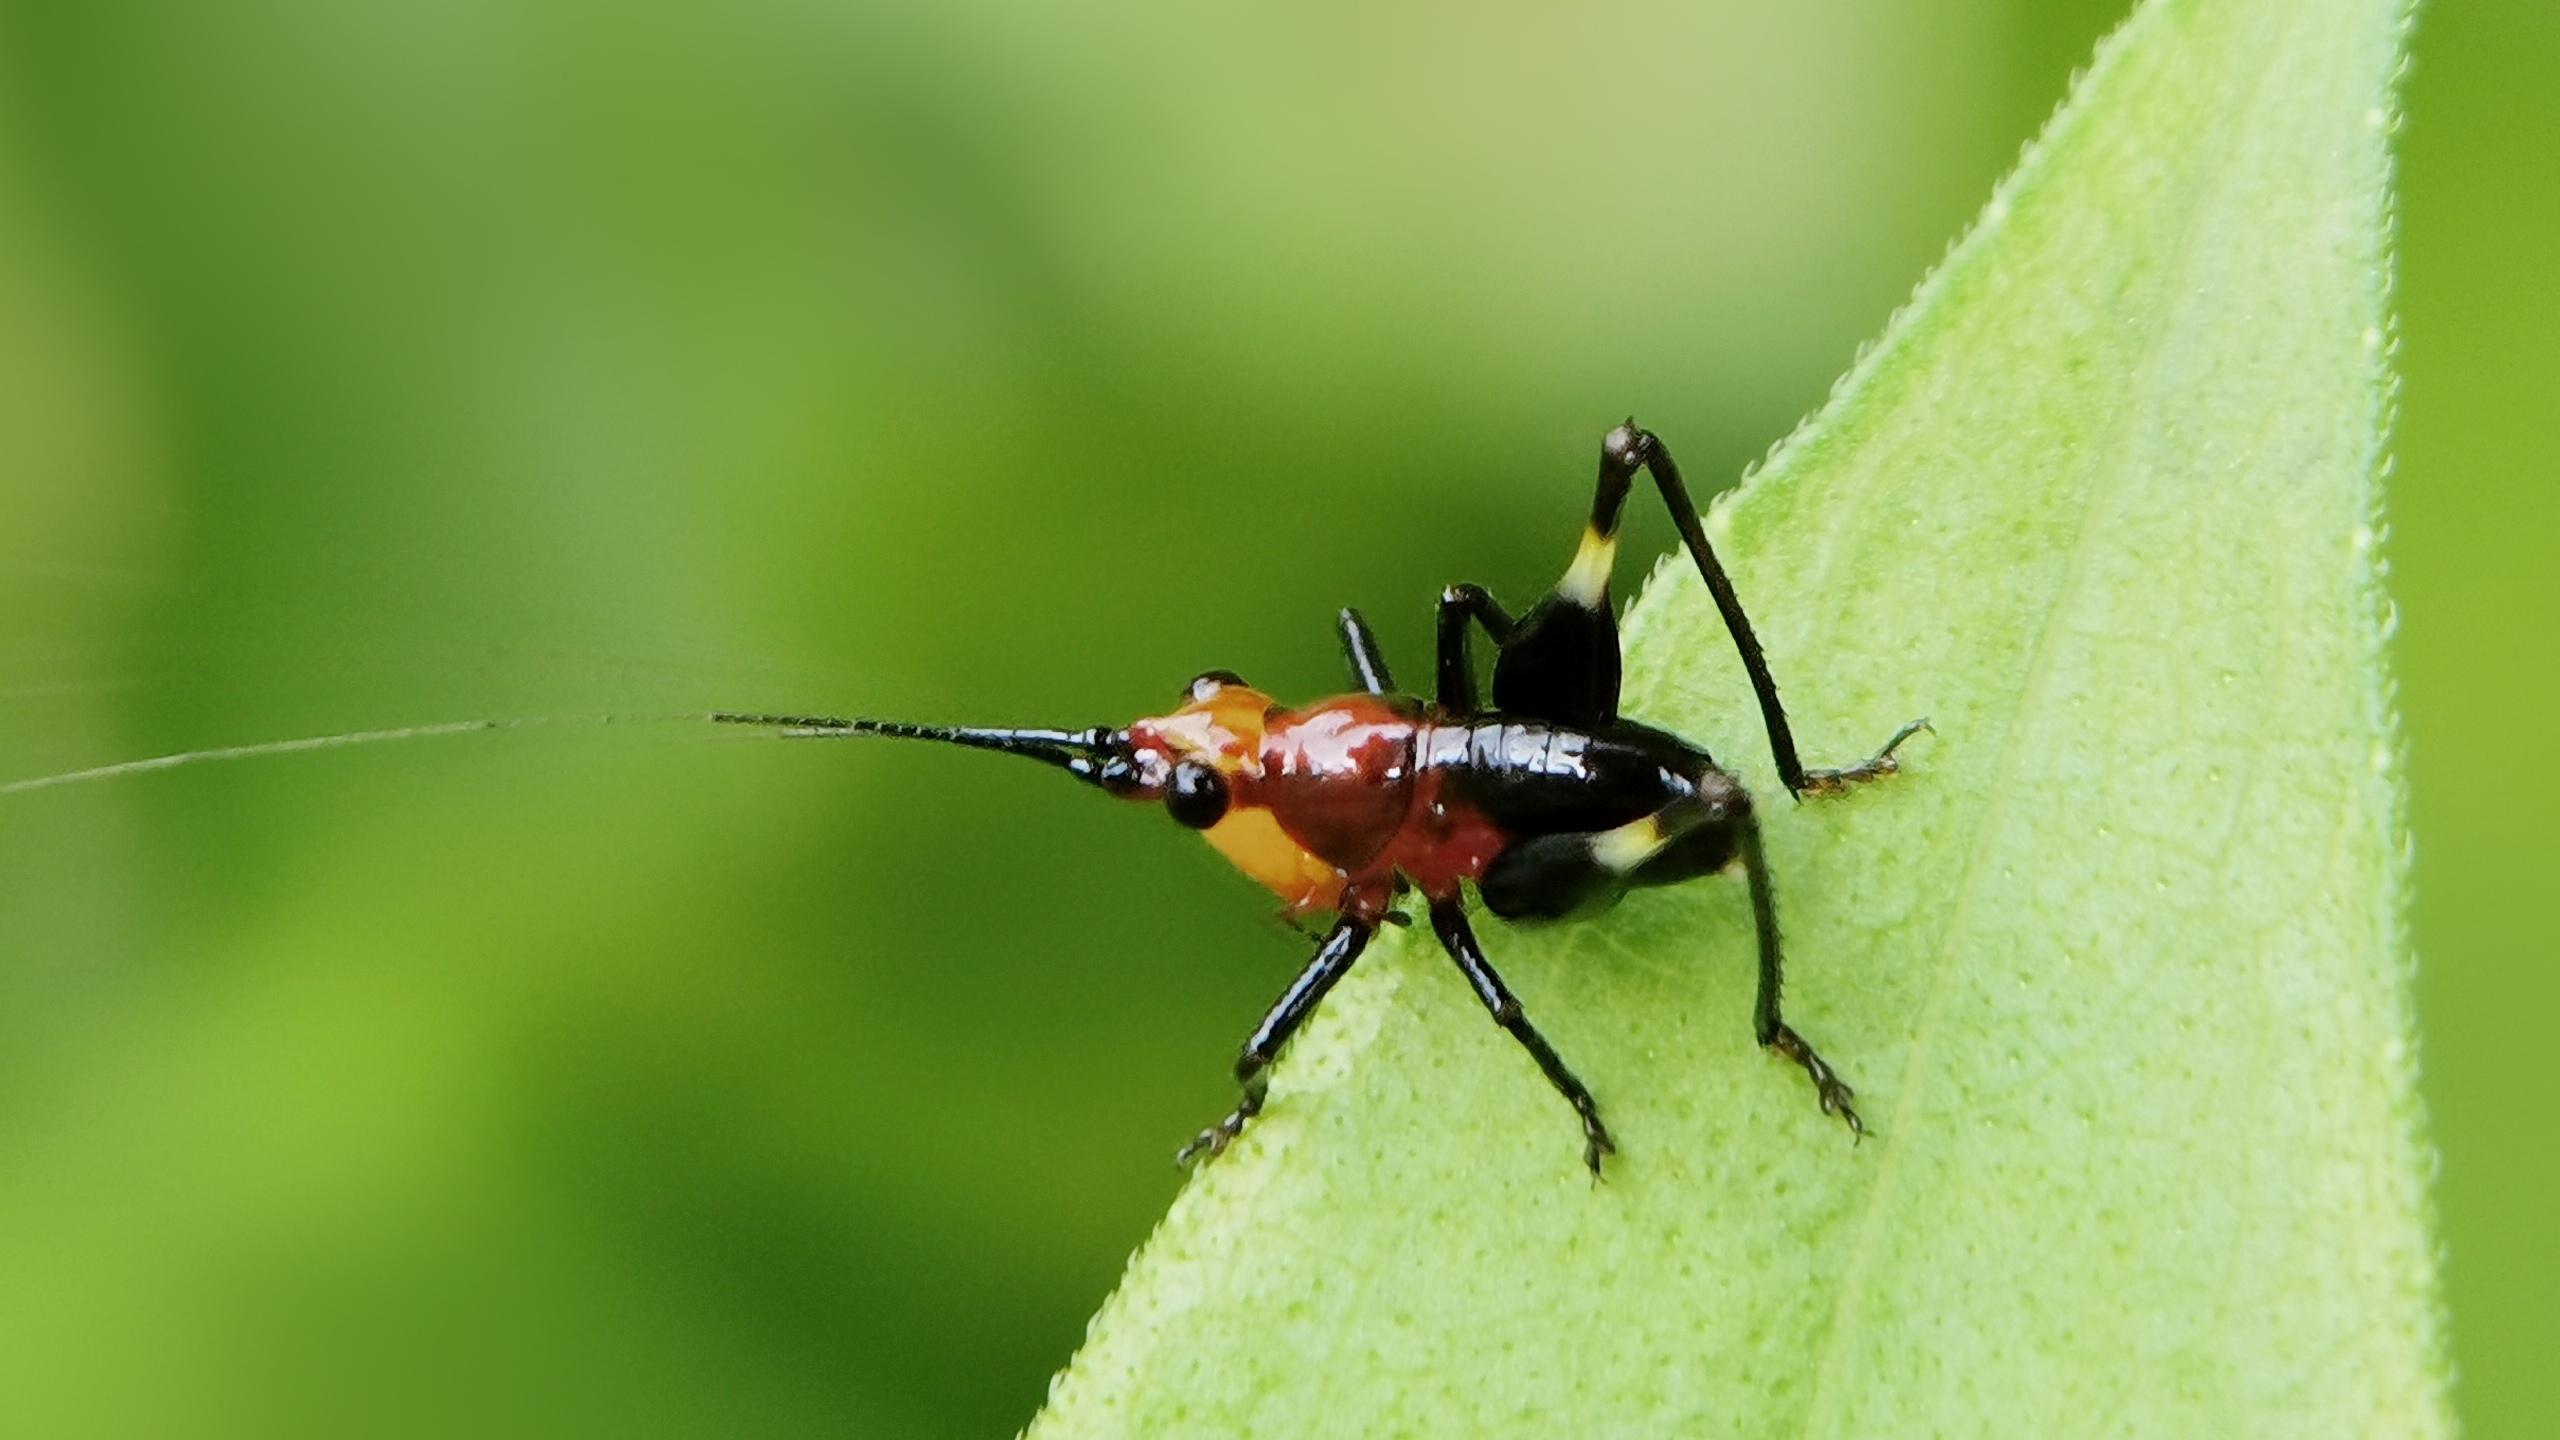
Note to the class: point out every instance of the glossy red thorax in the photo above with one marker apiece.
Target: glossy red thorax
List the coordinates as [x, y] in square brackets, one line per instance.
[1327, 806]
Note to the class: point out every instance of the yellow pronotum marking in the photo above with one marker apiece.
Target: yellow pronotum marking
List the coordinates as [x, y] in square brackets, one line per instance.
[1586, 580]
[1252, 840]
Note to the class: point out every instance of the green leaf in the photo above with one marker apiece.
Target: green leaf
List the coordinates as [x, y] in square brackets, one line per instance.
[2118, 965]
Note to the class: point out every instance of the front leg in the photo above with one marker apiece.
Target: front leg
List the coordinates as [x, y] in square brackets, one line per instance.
[1349, 936]
[1360, 651]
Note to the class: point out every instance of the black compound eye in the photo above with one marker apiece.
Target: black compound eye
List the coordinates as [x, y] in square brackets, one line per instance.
[1210, 682]
[1196, 795]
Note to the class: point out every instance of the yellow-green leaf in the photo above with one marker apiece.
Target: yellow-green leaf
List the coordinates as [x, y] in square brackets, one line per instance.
[2118, 966]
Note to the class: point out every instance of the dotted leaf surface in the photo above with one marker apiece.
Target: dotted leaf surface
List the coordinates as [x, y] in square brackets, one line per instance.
[2118, 966]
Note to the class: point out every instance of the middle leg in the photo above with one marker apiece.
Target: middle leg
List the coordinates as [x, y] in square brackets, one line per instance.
[1449, 918]
[1456, 690]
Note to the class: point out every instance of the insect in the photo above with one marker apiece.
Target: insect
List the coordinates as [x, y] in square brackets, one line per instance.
[1548, 801]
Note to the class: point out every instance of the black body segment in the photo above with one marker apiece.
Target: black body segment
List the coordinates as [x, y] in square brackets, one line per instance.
[1537, 778]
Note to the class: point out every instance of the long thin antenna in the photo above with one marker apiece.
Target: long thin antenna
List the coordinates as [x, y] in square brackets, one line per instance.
[1077, 751]
[792, 726]
[318, 742]
[1080, 752]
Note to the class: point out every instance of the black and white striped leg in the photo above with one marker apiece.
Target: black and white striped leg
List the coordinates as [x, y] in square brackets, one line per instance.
[1360, 651]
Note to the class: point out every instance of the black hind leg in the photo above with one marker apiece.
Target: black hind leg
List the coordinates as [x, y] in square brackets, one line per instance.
[1875, 767]
[1552, 876]
[1561, 661]
[1768, 1026]
[1629, 449]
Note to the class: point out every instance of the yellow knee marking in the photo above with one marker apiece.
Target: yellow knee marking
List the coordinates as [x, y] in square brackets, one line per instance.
[1586, 580]
[1630, 845]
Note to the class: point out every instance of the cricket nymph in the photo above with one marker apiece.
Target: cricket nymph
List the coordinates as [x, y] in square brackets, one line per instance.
[1546, 801]
[1340, 805]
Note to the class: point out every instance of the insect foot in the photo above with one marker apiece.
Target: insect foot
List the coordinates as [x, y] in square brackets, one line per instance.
[1211, 1143]
[1874, 767]
[1833, 1091]
[1595, 1141]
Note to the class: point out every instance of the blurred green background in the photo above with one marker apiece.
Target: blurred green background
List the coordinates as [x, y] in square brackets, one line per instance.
[374, 365]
